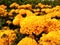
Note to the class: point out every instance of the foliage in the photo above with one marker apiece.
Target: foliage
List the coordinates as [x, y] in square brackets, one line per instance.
[33, 2]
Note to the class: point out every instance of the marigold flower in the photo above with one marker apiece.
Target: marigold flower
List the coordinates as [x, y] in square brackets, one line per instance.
[27, 41]
[57, 8]
[32, 24]
[52, 38]
[7, 37]
[27, 12]
[53, 14]
[11, 12]
[43, 6]
[17, 19]
[22, 14]
[3, 12]
[52, 25]
[38, 25]
[14, 5]
[27, 6]
[47, 10]
[22, 11]
[3, 6]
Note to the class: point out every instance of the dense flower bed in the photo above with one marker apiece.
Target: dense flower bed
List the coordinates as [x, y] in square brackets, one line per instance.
[25, 25]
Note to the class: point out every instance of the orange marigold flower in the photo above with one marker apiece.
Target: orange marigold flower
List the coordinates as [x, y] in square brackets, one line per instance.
[27, 12]
[52, 38]
[17, 19]
[27, 41]
[53, 14]
[22, 14]
[22, 11]
[38, 25]
[7, 37]
[3, 12]
[32, 24]
[56, 8]
[52, 25]
[3, 6]
[47, 10]
[43, 6]
[27, 6]
[11, 12]
[14, 5]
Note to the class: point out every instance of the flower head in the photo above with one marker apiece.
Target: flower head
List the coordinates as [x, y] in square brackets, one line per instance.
[52, 38]
[27, 41]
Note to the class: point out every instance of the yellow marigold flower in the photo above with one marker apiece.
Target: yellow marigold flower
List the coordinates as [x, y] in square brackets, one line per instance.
[22, 14]
[14, 5]
[11, 12]
[3, 6]
[32, 24]
[4, 41]
[7, 37]
[47, 10]
[53, 14]
[22, 11]
[52, 25]
[57, 13]
[52, 38]
[27, 41]
[27, 12]
[38, 25]
[27, 6]
[56, 8]
[3, 12]
[17, 19]
[41, 5]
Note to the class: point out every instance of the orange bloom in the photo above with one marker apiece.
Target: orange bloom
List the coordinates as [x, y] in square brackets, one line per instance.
[27, 41]
[14, 5]
[32, 24]
[52, 38]
[7, 37]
